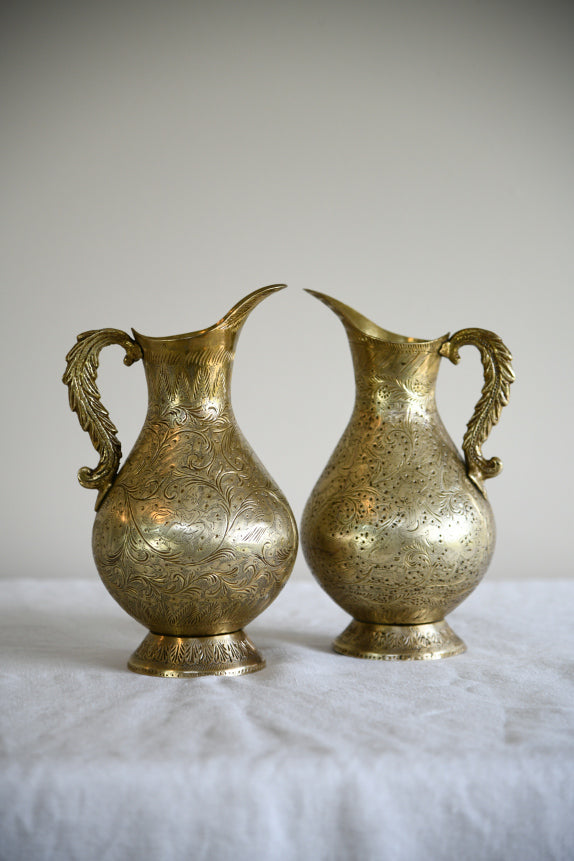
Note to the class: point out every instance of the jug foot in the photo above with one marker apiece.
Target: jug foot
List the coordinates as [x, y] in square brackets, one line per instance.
[177, 657]
[399, 642]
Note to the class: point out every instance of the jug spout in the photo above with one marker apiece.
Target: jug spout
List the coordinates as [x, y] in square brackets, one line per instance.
[236, 317]
[358, 325]
[192, 536]
[195, 368]
[397, 529]
[383, 357]
[222, 334]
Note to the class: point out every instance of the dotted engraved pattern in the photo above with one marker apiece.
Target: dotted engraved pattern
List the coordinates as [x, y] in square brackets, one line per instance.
[424, 641]
[394, 530]
[390, 639]
[193, 538]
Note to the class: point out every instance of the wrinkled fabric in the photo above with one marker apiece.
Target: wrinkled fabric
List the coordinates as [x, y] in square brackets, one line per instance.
[318, 756]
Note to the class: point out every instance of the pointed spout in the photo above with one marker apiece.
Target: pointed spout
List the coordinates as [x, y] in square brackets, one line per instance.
[226, 330]
[235, 318]
[351, 319]
[357, 324]
[195, 368]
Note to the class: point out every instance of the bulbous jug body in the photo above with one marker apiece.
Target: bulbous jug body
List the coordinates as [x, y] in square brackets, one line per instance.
[192, 537]
[398, 530]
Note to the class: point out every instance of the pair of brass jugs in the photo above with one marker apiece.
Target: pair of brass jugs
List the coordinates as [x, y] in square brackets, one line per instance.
[194, 539]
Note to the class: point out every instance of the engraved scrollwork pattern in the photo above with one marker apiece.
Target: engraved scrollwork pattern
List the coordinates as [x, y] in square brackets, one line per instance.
[394, 530]
[194, 538]
[191, 537]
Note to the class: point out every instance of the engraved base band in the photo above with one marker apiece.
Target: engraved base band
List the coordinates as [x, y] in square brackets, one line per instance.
[180, 657]
[399, 642]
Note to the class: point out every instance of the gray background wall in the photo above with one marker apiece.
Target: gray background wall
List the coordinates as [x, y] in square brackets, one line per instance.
[161, 160]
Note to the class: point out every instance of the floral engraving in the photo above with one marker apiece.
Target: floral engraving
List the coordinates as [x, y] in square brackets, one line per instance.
[394, 530]
[190, 653]
[399, 642]
[194, 538]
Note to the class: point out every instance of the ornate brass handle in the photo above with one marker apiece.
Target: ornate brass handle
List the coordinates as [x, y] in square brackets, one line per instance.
[498, 376]
[80, 377]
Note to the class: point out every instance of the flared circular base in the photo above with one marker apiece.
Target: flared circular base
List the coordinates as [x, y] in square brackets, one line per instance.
[178, 657]
[399, 642]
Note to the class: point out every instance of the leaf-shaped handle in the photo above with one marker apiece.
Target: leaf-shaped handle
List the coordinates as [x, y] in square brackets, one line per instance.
[80, 377]
[498, 376]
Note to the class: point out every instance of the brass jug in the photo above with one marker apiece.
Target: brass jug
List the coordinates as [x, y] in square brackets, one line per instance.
[398, 529]
[191, 537]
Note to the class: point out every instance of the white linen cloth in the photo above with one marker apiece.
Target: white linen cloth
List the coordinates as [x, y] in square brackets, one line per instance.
[318, 756]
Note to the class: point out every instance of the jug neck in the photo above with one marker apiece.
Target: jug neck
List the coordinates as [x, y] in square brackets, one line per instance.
[189, 372]
[390, 374]
[391, 371]
[193, 371]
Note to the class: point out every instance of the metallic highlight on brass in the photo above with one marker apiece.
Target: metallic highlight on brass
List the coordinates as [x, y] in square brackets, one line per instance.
[178, 657]
[399, 642]
[191, 537]
[80, 377]
[398, 530]
[498, 376]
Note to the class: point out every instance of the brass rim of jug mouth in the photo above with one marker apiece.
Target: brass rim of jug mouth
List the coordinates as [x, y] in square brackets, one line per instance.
[235, 315]
[367, 327]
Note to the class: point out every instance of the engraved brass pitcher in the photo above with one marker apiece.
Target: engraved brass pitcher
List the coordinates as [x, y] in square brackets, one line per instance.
[398, 529]
[192, 537]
